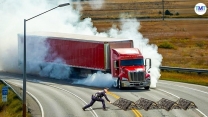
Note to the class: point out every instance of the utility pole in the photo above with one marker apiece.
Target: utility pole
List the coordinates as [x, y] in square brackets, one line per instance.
[24, 57]
[163, 8]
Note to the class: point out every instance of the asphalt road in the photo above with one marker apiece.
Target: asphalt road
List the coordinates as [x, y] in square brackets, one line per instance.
[59, 98]
[196, 93]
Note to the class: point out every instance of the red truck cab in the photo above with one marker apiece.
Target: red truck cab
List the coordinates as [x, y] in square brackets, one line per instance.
[127, 64]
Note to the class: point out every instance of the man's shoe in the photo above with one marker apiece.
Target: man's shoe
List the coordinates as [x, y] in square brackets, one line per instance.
[104, 109]
[83, 109]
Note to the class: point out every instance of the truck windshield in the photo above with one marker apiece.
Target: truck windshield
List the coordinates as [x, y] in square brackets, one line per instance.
[132, 62]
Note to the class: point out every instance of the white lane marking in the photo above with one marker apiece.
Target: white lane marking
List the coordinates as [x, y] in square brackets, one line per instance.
[41, 108]
[93, 112]
[187, 88]
[201, 113]
[169, 93]
[179, 98]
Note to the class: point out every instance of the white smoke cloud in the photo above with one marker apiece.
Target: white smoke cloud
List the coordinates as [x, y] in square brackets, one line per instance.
[35, 51]
[98, 79]
[66, 20]
[13, 13]
[56, 70]
[129, 29]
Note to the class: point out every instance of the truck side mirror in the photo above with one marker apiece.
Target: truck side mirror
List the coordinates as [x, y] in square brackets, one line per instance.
[149, 61]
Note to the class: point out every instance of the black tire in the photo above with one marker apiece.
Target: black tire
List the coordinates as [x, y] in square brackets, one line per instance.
[119, 84]
[147, 88]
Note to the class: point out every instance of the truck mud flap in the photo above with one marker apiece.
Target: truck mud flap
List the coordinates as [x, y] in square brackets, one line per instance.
[146, 104]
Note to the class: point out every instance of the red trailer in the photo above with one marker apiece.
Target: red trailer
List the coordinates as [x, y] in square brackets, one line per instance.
[88, 54]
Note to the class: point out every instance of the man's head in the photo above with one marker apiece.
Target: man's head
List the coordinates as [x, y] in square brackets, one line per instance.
[106, 90]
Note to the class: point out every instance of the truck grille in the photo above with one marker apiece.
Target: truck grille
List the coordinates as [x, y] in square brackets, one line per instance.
[136, 76]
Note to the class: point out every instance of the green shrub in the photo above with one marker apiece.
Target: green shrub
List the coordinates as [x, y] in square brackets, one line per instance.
[166, 45]
[177, 13]
[167, 12]
[200, 44]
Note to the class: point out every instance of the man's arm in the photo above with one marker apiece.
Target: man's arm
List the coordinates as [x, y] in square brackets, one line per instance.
[106, 97]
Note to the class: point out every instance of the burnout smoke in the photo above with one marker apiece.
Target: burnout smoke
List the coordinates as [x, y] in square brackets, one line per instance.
[98, 79]
[65, 20]
[129, 29]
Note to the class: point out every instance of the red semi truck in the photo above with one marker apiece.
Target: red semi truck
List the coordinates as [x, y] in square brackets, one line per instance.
[89, 54]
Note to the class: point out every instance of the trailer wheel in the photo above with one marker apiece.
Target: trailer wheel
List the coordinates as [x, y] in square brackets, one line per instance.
[147, 88]
[119, 84]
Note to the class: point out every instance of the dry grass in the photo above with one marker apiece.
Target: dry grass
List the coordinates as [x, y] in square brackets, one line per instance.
[13, 106]
[192, 78]
[115, 9]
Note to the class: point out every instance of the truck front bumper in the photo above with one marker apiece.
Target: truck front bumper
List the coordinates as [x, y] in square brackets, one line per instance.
[136, 83]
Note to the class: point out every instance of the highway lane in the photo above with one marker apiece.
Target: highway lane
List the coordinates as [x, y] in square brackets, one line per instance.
[196, 93]
[86, 92]
[133, 95]
[55, 102]
[154, 95]
[58, 102]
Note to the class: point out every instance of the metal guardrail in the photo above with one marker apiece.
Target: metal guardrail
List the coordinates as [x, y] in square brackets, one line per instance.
[179, 69]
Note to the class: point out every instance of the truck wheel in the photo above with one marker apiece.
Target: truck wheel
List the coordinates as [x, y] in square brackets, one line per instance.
[119, 84]
[147, 88]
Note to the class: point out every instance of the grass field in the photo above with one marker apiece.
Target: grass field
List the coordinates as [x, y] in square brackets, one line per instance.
[113, 9]
[192, 78]
[13, 106]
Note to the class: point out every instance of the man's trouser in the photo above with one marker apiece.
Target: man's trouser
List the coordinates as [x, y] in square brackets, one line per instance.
[93, 99]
